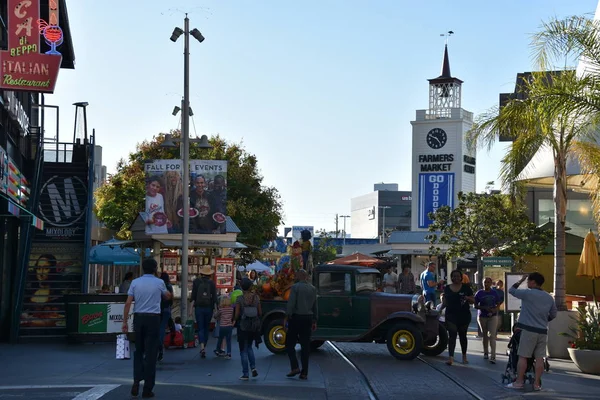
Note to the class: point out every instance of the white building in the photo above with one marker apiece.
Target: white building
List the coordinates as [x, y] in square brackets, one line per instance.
[442, 165]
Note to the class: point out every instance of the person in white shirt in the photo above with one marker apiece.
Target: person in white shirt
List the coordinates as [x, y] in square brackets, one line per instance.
[389, 280]
[157, 221]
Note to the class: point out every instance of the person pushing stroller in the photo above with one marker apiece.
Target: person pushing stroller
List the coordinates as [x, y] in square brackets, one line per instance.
[537, 309]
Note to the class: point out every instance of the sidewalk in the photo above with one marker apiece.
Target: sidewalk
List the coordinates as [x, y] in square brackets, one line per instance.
[95, 364]
[564, 381]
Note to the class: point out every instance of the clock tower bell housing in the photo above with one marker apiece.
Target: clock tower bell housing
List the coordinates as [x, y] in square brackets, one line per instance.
[442, 166]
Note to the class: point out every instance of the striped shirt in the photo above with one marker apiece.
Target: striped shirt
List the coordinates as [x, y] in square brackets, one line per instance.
[226, 316]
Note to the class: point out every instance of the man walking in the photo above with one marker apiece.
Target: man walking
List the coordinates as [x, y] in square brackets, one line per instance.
[204, 299]
[301, 319]
[390, 280]
[537, 309]
[428, 283]
[147, 292]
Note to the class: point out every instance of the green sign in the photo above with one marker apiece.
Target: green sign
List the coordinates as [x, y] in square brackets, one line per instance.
[501, 261]
[93, 318]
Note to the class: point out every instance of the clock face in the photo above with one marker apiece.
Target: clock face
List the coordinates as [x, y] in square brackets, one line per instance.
[436, 138]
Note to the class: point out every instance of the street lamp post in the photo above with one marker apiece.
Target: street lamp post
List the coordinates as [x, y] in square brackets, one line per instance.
[383, 224]
[185, 133]
[344, 216]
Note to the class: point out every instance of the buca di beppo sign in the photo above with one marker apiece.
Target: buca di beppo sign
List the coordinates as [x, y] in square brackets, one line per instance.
[23, 66]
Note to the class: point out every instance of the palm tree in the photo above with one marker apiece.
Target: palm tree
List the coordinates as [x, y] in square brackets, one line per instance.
[542, 120]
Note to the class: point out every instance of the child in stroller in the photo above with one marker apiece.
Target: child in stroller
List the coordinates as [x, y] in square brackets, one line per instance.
[510, 374]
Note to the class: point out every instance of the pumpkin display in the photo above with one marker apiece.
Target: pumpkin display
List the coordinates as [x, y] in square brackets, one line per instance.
[266, 287]
[286, 295]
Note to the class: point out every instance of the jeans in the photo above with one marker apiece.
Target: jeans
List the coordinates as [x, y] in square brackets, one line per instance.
[146, 327]
[246, 353]
[460, 331]
[489, 324]
[203, 317]
[299, 331]
[225, 333]
[164, 321]
[430, 296]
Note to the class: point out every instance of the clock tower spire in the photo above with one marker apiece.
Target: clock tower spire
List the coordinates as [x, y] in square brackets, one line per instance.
[444, 91]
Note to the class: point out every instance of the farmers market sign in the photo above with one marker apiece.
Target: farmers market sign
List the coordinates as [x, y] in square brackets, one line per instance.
[501, 261]
[23, 66]
[102, 318]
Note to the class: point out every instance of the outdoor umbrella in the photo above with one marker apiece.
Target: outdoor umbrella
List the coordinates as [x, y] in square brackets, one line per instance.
[589, 265]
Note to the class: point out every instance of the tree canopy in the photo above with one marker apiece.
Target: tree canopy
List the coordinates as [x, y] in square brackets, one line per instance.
[486, 224]
[256, 209]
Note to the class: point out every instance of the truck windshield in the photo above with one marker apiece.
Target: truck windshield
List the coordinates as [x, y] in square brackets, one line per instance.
[366, 282]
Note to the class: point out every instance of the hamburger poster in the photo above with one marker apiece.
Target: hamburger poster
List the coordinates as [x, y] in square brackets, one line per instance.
[163, 213]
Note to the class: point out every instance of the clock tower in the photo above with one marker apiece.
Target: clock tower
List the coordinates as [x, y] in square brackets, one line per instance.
[442, 165]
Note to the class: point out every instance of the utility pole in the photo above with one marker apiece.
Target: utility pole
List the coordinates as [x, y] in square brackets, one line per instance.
[337, 220]
[344, 216]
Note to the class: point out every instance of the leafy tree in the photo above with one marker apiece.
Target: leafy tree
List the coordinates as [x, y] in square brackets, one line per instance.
[483, 224]
[256, 209]
[325, 251]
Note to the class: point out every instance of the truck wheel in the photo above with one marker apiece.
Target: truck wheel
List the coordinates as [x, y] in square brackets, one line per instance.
[438, 346]
[315, 344]
[275, 336]
[404, 341]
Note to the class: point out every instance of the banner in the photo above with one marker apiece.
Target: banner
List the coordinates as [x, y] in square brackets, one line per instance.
[224, 274]
[435, 190]
[164, 196]
[208, 195]
[102, 318]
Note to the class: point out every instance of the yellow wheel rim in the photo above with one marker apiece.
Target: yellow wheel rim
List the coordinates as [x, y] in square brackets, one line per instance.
[403, 341]
[277, 337]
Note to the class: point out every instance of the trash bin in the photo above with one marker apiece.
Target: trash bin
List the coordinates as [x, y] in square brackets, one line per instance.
[504, 322]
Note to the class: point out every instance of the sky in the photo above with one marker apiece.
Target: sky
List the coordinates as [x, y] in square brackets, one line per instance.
[322, 92]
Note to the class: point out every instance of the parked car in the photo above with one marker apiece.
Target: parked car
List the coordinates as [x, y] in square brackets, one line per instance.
[351, 310]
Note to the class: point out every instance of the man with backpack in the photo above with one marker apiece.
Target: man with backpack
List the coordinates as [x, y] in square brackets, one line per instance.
[301, 320]
[204, 298]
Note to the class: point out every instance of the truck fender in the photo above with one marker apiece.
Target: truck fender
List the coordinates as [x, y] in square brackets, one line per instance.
[273, 314]
[405, 315]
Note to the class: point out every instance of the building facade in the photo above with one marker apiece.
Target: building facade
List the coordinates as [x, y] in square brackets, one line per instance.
[372, 212]
[442, 165]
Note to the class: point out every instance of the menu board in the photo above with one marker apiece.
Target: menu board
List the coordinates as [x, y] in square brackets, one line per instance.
[224, 273]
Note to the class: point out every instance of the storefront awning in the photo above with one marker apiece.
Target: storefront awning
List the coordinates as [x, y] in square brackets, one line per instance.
[113, 252]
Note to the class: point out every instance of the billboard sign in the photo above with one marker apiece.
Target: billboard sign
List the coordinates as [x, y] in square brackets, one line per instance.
[435, 190]
[163, 211]
[224, 273]
[23, 66]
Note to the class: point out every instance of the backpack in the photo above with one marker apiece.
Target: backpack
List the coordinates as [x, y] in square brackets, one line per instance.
[250, 321]
[203, 295]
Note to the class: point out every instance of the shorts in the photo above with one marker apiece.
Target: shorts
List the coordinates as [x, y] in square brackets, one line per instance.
[532, 344]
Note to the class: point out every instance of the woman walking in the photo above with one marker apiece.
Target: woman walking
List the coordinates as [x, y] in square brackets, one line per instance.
[457, 300]
[247, 313]
[487, 302]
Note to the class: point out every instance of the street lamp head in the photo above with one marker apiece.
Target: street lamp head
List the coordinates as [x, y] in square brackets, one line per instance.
[176, 33]
[191, 112]
[203, 143]
[168, 142]
[176, 109]
[197, 35]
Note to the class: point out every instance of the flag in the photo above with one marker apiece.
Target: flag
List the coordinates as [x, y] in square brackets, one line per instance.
[13, 209]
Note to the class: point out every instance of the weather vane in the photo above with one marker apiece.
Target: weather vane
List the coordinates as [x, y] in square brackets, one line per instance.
[447, 35]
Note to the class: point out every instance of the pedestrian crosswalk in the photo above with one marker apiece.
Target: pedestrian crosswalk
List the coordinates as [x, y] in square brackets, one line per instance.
[55, 392]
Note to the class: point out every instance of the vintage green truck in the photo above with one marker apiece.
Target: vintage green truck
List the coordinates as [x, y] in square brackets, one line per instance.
[352, 310]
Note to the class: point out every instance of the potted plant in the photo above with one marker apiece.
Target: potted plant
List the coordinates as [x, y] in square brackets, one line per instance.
[584, 347]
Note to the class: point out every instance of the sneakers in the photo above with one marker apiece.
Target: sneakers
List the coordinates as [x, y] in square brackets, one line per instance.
[202, 353]
[254, 373]
[492, 361]
[485, 357]
[228, 357]
[219, 352]
[244, 378]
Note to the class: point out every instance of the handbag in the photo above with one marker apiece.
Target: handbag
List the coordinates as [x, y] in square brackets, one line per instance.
[123, 352]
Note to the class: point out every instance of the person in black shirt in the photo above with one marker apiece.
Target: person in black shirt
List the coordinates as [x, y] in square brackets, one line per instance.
[204, 298]
[458, 298]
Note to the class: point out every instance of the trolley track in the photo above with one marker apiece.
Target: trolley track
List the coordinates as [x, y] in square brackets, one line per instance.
[372, 392]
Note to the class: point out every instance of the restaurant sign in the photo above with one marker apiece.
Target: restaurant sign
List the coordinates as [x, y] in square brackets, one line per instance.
[23, 66]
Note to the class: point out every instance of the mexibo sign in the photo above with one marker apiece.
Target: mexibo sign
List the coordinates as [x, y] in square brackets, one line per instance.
[23, 66]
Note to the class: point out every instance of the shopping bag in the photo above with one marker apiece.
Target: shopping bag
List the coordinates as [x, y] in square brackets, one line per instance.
[123, 347]
[216, 330]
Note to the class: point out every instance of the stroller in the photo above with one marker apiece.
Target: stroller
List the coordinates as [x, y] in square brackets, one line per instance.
[510, 374]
